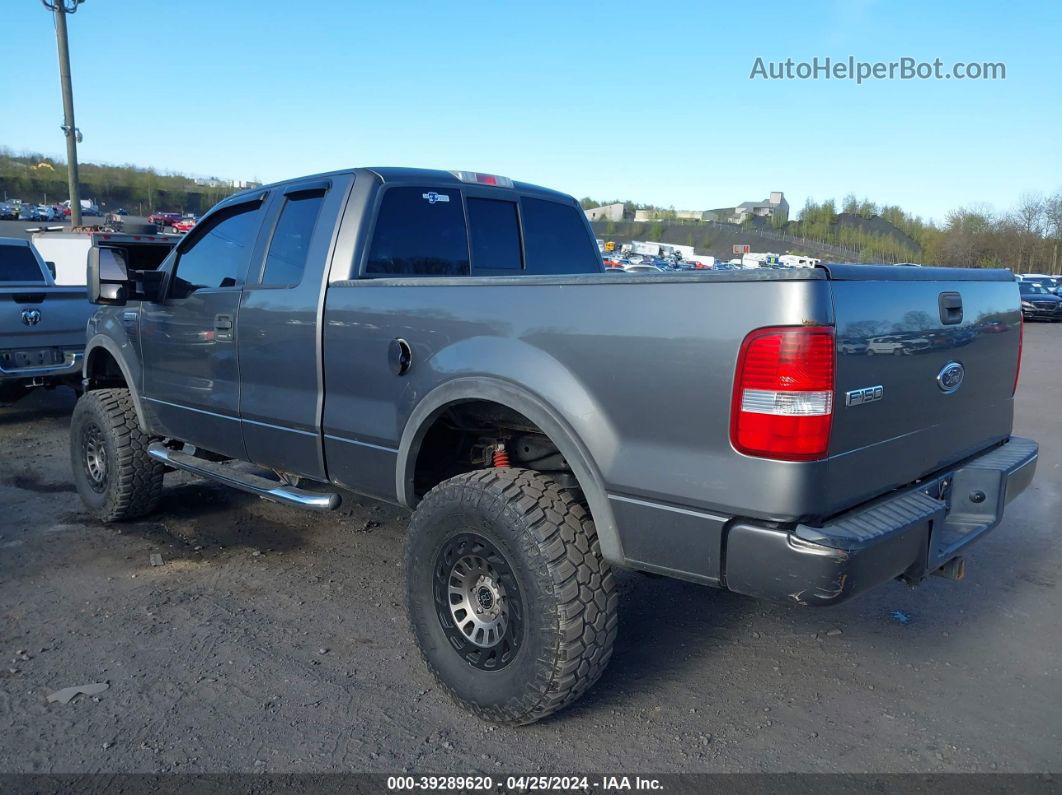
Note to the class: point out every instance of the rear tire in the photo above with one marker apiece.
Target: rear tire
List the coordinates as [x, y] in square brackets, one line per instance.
[511, 603]
[114, 475]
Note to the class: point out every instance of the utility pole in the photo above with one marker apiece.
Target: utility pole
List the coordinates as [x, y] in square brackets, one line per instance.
[73, 135]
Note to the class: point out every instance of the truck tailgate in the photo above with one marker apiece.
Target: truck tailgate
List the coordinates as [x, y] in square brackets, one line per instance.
[926, 361]
[44, 316]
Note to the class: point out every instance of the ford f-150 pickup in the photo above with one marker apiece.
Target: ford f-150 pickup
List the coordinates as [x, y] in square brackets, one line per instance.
[449, 342]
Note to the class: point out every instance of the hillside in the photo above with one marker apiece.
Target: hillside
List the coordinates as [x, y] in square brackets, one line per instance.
[39, 179]
[718, 239]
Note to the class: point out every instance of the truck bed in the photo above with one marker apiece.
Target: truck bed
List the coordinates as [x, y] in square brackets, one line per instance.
[646, 366]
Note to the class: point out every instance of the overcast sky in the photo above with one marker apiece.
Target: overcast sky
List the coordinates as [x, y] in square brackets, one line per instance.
[647, 101]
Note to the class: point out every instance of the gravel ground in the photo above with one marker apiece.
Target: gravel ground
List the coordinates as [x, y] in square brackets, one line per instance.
[273, 640]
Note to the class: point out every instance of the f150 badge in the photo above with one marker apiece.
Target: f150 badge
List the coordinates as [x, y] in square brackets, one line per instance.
[868, 394]
[431, 197]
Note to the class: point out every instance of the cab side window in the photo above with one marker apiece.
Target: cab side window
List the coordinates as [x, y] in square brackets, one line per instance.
[419, 232]
[286, 260]
[217, 255]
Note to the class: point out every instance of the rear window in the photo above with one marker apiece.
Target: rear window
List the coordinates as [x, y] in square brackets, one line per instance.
[419, 232]
[556, 240]
[495, 235]
[17, 264]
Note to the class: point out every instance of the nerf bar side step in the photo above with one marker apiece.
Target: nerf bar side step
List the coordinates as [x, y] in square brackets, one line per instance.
[263, 487]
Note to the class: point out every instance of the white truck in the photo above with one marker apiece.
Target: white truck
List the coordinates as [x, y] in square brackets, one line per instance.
[66, 252]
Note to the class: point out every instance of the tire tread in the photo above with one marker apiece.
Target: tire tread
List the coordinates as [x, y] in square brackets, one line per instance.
[584, 590]
[137, 481]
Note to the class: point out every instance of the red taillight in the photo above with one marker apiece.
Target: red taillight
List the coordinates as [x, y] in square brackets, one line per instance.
[1021, 344]
[783, 393]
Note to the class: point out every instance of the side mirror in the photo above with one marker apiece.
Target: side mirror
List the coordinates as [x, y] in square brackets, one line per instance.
[112, 294]
[107, 276]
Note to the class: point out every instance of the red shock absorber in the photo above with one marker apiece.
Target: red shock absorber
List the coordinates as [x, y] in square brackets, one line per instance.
[501, 456]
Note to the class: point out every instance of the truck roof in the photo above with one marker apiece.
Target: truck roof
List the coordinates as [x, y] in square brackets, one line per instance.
[392, 175]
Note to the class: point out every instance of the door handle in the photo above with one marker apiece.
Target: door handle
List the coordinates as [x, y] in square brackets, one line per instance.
[223, 322]
[950, 305]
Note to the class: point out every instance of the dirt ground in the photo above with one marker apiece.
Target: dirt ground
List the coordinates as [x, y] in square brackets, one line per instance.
[273, 640]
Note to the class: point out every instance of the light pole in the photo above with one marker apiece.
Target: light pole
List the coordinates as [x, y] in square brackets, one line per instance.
[73, 135]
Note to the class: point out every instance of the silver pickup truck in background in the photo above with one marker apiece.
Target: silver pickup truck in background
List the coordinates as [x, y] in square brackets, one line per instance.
[447, 341]
[42, 325]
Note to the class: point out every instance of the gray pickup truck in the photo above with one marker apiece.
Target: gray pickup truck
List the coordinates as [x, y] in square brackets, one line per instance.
[447, 341]
[42, 325]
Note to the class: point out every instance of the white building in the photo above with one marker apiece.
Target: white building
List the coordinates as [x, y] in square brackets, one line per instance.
[773, 206]
[609, 212]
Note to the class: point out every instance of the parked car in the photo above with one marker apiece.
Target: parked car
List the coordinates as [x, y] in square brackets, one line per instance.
[897, 345]
[1049, 283]
[857, 345]
[184, 225]
[121, 211]
[384, 340]
[642, 268]
[42, 327]
[1037, 303]
[42, 212]
[164, 220]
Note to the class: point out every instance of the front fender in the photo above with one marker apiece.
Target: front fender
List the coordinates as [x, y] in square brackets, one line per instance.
[127, 363]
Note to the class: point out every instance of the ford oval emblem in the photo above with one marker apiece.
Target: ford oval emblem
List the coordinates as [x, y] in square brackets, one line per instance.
[950, 377]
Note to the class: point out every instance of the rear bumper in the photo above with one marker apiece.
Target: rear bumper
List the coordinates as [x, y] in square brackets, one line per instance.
[909, 534]
[70, 366]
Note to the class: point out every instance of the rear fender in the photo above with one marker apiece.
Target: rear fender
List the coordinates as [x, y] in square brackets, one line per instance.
[538, 411]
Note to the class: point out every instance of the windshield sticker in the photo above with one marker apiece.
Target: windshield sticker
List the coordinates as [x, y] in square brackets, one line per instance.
[431, 197]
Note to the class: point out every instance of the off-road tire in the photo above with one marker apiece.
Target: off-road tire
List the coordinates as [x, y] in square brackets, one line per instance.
[566, 590]
[131, 483]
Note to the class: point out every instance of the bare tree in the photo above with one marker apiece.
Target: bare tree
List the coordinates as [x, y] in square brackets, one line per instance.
[1053, 227]
[1028, 221]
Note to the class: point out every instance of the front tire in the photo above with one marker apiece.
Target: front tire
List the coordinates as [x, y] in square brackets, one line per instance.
[114, 475]
[511, 603]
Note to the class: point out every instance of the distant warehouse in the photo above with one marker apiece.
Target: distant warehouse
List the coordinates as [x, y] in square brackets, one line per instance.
[609, 212]
[774, 206]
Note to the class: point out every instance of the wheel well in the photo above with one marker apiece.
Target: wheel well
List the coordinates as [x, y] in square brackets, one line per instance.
[102, 370]
[466, 435]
